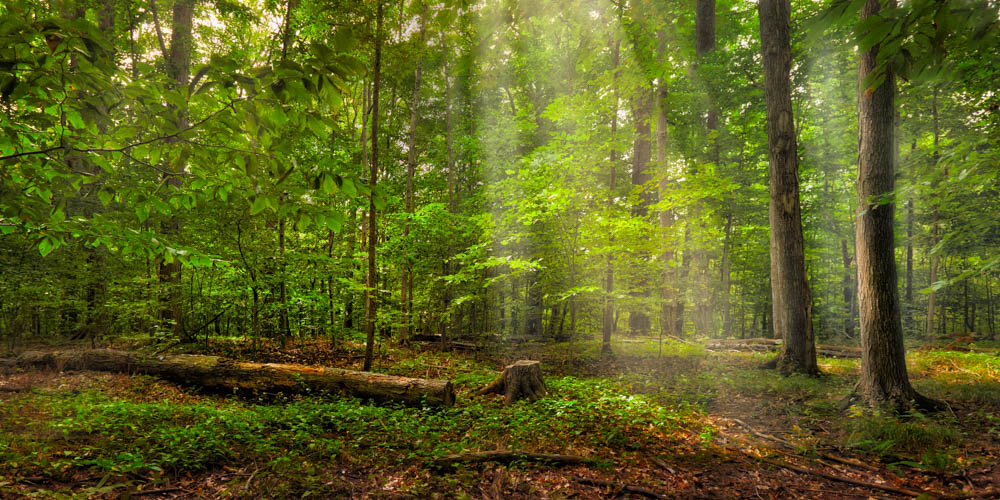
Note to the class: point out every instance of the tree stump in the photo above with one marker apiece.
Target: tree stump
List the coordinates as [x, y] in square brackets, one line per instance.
[521, 380]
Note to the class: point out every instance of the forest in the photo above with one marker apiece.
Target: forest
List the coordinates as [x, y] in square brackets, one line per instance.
[499, 249]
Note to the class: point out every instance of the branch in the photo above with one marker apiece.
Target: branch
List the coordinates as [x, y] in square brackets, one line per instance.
[511, 456]
[128, 146]
[619, 488]
[159, 32]
[831, 477]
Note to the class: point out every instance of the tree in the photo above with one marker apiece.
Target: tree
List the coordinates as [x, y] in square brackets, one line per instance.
[791, 301]
[884, 380]
[406, 283]
[371, 283]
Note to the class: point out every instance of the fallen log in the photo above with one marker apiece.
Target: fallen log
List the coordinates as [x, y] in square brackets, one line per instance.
[215, 372]
[770, 345]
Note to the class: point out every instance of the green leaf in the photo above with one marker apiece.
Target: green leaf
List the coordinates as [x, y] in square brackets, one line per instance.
[142, 212]
[57, 216]
[47, 245]
[105, 196]
[335, 221]
[74, 118]
[303, 222]
[258, 205]
[348, 187]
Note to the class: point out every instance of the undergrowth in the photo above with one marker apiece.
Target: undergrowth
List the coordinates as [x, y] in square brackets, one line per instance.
[109, 435]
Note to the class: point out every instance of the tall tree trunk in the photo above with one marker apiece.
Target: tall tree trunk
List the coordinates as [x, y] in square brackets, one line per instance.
[284, 327]
[935, 258]
[909, 238]
[353, 221]
[704, 45]
[406, 284]
[609, 270]
[449, 142]
[372, 281]
[638, 320]
[668, 293]
[178, 59]
[791, 304]
[883, 380]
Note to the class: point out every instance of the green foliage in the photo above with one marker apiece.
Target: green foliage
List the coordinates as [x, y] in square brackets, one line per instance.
[918, 439]
[111, 435]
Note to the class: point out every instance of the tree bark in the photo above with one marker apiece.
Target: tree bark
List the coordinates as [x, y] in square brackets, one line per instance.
[372, 280]
[791, 305]
[405, 286]
[935, 258]
[884, 380]
[668, 293]
[638, 320]
[609, 270]
[178, 59]
[215, 372]
[520, 380]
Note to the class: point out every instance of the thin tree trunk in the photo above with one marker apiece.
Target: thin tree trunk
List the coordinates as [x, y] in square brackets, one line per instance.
[668, 293]
[609, 270]
[449, 142]
[989, 306]
[848, 291]
[372, 281]
[792, 307]
[726, 277]
[909, 239]
[935, 258]
[883, 380]
[406, 285]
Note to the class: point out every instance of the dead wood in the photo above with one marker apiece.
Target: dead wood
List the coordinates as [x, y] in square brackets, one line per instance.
[627, 488]
[159, 491]
[511, 456]
[215, 372]
[520, 380]
[771, 345]
[856, 482]
[790, 446]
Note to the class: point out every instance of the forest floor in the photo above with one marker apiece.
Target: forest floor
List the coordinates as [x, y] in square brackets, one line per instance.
[674, 421]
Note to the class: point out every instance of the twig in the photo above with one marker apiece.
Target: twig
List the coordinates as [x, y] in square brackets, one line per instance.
[639, 490]
[789, 445]
[511, 456]
[663, 465]
[761, 435]
[159, 491]
[856, 482]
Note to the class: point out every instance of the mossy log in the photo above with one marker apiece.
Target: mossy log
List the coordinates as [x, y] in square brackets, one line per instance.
[215, 372]
[521, 380]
